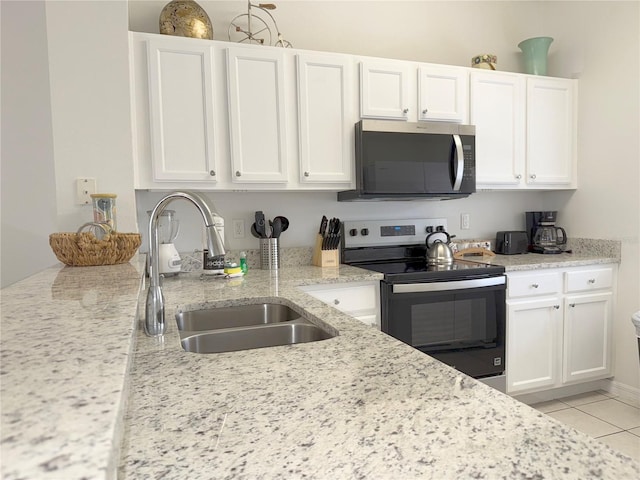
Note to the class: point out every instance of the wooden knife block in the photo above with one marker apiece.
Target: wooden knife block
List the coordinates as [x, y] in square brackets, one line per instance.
[324, 258]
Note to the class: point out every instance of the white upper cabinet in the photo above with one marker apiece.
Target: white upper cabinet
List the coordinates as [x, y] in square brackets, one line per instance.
[384, 90]
[551, 132]
[525, 131]
[223, 116]
[443, 93]
[256, 93]
[497, 110]
[181, 106]
[325, 118]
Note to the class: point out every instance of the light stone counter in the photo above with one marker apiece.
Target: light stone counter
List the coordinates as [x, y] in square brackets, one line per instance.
[584, 252]
[67, 340]
[360, 405]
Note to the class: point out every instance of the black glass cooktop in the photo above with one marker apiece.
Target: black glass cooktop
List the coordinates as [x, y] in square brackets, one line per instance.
[417, 270]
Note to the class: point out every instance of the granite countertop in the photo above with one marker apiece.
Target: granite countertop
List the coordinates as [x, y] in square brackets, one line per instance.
[360, 405]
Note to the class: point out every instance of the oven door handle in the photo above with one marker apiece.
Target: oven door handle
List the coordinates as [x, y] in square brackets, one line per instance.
[445, 286]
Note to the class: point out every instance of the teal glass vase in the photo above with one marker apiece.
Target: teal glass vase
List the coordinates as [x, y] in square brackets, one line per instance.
[535, 52]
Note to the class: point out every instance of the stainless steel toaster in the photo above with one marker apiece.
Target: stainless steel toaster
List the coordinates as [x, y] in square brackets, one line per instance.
[511, 242]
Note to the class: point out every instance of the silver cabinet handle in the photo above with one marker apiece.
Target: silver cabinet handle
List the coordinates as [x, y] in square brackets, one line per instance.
[306, 174]
[212, 173]
[459, 159]
[238, 174]
[557, 307]
[534, 285]
[336, 302]
[533, 176]
[405, 111]
[518, 177]
[425, 111]
[591, 281]
[572, 305]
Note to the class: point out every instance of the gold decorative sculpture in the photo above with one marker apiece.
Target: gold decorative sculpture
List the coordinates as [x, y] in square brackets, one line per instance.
[185, 18]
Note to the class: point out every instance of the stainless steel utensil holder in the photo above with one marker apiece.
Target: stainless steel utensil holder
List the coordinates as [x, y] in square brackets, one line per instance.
[269, 254]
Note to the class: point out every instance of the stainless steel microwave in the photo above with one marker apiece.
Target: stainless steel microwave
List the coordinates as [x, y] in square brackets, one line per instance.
[406, 161]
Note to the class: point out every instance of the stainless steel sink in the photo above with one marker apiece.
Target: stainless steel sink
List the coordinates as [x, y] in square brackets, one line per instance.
[246, 338]
[235, 316]
[244, 327]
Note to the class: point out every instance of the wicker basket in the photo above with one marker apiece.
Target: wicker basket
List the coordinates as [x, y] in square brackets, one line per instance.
[83, 249]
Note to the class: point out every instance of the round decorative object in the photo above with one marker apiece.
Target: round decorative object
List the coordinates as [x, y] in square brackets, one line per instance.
[185, 18]
[486, 61]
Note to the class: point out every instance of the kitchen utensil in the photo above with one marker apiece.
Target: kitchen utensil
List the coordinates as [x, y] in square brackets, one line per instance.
[276, 227]
[254, 230]
[284, 221]
[438, 251]
[260, 224]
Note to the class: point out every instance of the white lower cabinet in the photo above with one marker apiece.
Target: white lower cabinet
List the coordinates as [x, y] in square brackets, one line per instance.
[361, 300]
[533, 340]
[559, 327]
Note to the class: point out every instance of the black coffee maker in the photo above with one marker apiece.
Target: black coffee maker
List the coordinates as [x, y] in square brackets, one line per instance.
[544, 236]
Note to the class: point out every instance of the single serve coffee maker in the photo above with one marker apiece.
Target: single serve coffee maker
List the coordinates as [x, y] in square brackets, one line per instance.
[544, 236]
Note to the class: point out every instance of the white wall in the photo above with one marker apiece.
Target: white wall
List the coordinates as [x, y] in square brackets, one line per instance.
[89, 71]
[28, 199]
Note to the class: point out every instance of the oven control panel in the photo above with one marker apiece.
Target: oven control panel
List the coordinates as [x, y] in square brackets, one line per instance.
[369, 233]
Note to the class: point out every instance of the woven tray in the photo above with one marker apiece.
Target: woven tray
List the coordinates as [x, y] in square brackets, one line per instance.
[83, 249]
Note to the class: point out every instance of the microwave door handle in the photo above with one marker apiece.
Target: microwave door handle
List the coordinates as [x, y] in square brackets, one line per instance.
[458, 158]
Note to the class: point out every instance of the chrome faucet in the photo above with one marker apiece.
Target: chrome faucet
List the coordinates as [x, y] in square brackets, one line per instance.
[154, 323]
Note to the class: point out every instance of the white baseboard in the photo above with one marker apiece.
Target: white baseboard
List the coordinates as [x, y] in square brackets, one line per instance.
[560, 392]
[607, 384]
[621, 389]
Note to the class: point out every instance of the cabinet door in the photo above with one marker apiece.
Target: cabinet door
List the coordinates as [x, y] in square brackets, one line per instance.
[551, 133]
[533, 344]
[256, 115]
[497, 111]
[325, 118]
[587, 337]
[443, 93]
[181, 110]
[384, 90]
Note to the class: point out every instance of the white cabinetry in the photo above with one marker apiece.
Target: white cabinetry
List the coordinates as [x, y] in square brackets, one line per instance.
[388, 90]
[326, 118]
[181, 106]
[361, 300]
[218, 116]
[498, 112]
[443, 93]
[257, 115]
[525, 131]
[384, 90]
[558, 327]
[551, 132]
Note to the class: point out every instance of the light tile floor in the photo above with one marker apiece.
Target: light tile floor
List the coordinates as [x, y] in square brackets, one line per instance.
[602, 415]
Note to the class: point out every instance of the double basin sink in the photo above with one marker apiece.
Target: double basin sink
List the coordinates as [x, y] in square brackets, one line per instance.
[244, 327]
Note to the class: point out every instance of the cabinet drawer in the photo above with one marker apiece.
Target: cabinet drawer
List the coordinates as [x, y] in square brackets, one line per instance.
[348, 299]
[528, 284]
[592, 279]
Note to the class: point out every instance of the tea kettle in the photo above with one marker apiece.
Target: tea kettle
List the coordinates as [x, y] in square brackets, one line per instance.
[438, 251]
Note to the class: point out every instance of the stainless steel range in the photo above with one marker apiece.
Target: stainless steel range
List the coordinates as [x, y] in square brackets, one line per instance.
[454, 312]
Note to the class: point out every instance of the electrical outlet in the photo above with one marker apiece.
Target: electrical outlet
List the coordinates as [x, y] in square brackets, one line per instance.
[238, 228]
[465, 221]
[84, 188]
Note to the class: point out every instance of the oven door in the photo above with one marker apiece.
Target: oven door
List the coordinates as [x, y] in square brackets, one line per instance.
[461, 323]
